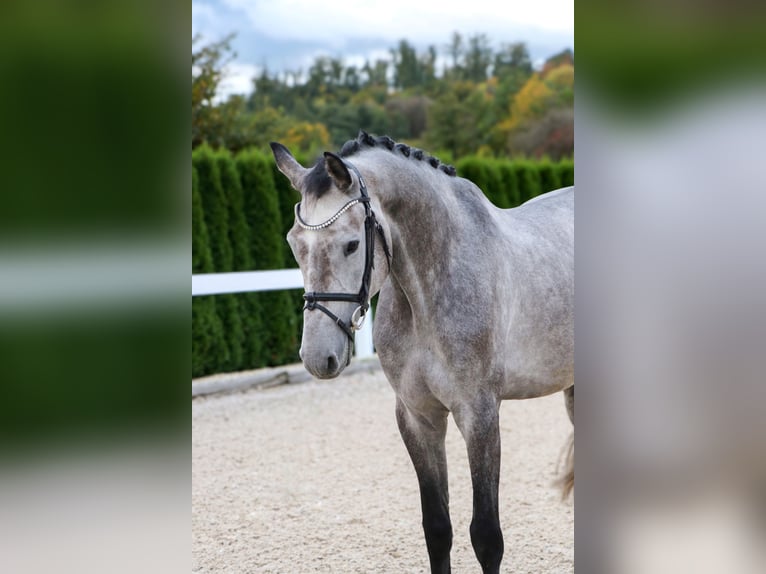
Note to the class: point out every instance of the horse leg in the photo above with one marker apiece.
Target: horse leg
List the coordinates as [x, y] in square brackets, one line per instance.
[479, 425]
[424, 438]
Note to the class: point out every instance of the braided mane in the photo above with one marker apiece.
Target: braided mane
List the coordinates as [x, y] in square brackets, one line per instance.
[364, 139]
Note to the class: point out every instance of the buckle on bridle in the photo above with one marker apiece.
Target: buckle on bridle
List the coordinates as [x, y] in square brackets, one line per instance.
[357, 318]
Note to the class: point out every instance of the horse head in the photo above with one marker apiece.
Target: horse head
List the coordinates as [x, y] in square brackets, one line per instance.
[339, 242]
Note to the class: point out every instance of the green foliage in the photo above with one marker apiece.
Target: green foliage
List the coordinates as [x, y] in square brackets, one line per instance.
[467, 109]
[473, 168]
[500, 195]
[248, 321]
[261, 208]
[549, 176]
[528, 178]
[459, 121]
[202, 260]
[230, 312]
[566, 172]
[485, 173]
[509, 182]
[208, 350]
[215, 207]
[239, 232]
[288, 197]
[207, 121]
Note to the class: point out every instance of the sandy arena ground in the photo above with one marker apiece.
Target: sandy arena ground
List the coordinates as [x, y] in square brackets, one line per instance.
[313, 477]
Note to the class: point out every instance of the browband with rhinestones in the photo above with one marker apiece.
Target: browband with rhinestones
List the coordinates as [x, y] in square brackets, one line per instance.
[330, 221]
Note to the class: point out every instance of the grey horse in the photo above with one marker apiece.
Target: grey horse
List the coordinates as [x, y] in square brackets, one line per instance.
[476, 306]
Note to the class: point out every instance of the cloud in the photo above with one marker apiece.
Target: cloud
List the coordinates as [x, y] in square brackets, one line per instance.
[213, 23]
[426, 20]
[237, 79]
[291, 34]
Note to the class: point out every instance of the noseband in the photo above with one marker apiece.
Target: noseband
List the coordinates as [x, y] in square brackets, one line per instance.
[362, 298]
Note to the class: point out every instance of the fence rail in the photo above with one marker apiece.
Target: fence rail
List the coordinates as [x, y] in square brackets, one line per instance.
[276, 280]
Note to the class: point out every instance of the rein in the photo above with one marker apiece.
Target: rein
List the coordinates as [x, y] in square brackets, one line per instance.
[362, 297]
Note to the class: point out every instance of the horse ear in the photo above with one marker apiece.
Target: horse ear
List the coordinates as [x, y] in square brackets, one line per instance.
[288, 165]
[337, 170]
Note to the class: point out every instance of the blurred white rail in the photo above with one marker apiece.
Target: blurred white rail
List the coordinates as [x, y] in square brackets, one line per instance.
[103, 276]
[246, 281]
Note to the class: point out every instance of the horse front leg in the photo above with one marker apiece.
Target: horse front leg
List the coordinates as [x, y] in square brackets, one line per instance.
[479, 424]
[423, 435]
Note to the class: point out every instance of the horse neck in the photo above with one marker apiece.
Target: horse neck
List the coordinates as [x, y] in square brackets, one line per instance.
[435, 221]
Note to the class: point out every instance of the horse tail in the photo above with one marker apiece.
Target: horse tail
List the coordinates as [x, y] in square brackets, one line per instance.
[566, 482]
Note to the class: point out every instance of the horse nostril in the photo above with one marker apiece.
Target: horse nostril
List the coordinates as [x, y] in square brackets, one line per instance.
[332, 364]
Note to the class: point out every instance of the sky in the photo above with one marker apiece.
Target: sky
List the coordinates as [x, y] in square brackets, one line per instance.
[290, 34]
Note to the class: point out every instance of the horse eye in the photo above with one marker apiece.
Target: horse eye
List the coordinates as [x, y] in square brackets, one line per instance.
[351, 246]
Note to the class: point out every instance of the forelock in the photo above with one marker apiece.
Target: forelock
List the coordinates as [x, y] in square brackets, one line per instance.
[318, 181]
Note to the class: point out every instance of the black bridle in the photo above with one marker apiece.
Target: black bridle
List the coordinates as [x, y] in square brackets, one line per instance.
[362, 298]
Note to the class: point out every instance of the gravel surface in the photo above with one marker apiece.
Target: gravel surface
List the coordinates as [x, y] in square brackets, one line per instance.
[313, 477]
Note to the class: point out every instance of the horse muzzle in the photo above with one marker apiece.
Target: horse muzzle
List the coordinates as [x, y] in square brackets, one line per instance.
[324, 362]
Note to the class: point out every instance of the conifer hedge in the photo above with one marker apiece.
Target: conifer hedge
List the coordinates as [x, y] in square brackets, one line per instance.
[215, 208]
[566, 172]
[242, 208]
[267, 243]
[250, 343]
[287, 198]
[529, 180]
[207, 332]
[549, 176]
[508, 183]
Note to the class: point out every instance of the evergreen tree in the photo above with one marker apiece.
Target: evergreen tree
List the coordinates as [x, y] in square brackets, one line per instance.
[407, 68]
[208, 350]
[456, 120]
[456, 52]
[485, 174]
[478, 58]
[261, 208]
[549, 176]
[216, 214]
[248, 321]
[528, 178]
[287, 198]
[565, 169]
[509, 182]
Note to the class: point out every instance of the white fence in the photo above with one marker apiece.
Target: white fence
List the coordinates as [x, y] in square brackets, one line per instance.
[249, 281]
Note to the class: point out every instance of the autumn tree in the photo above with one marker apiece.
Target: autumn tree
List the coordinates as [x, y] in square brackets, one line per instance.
[208, 62]
[483, 101]
[541, 119]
